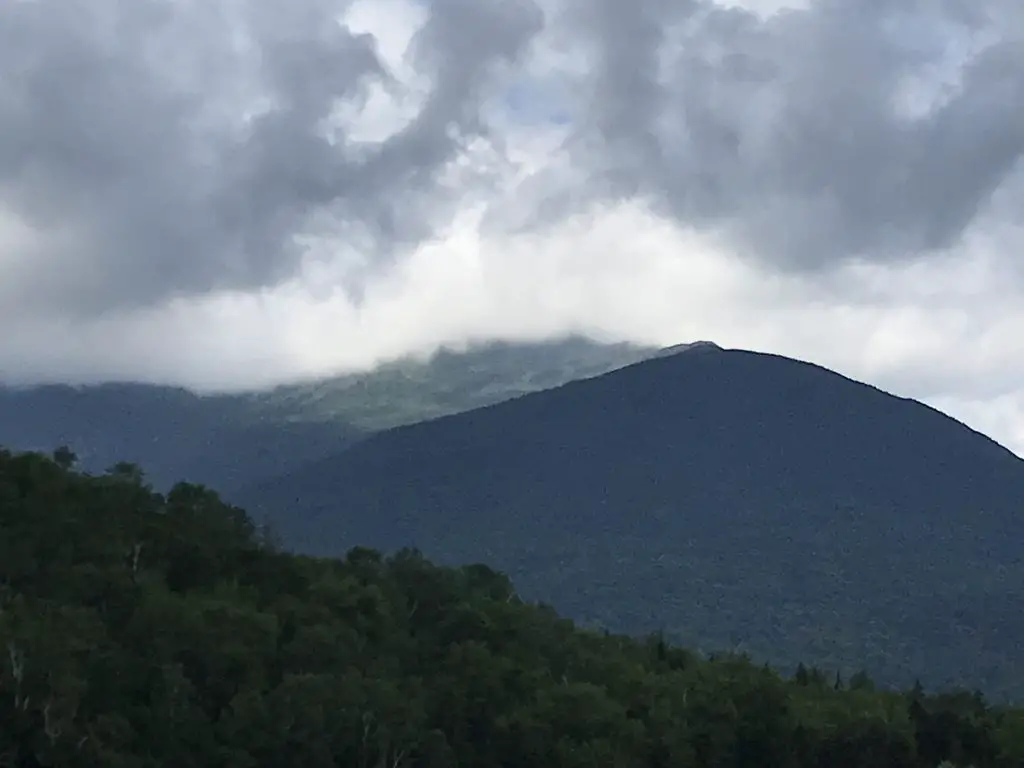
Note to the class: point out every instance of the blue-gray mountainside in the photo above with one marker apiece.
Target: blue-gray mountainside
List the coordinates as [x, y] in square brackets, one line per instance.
[221, 441]
[229, 441]
[739, 501]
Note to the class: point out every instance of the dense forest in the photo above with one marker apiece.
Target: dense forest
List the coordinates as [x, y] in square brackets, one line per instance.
[148, 629]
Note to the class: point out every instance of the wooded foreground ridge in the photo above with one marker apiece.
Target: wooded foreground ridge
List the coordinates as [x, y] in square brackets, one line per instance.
[142, 629]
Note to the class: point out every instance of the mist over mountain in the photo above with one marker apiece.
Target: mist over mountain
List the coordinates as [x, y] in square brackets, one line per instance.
[228, 441]
[415, 389]
[737, 500]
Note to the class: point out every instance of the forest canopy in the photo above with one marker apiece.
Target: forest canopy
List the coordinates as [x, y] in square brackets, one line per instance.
[148, 629]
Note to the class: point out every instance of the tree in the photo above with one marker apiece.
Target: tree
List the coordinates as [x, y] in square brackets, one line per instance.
[65, 457]
[138, 630]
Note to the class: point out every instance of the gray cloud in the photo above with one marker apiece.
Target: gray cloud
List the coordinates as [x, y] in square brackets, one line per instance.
[129, 144]
[123, 144]
[786, 131]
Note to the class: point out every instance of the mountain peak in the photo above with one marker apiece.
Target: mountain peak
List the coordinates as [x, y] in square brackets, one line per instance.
[693, 346]
[731, 498]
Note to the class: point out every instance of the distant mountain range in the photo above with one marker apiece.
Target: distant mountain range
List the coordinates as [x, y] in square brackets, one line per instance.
[228, 441]
[736, 500]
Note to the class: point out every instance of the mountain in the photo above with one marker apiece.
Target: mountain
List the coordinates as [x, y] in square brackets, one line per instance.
[736, 500]
[228, 441]
[173, 434]
[413, 389]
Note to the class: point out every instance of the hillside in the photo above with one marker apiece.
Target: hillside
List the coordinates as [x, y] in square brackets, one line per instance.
[144, 630]
[172, 433]
[736, 500]
[228, 441]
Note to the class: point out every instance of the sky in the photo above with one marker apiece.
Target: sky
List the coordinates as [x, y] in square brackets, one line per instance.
[230, 194]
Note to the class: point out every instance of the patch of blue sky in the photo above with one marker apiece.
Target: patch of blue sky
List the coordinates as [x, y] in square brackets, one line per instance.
[529, 101]
[924, 35]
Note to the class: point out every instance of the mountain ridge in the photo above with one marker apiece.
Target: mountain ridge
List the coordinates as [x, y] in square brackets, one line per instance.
[227, 441]
[683, 492]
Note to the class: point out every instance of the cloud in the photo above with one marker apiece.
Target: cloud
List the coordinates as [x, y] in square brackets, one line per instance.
[175, 148]
[851, 130]
[233, 193]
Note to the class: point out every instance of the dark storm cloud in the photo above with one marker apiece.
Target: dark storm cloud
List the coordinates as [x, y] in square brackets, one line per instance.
[785, 132]
[122, 143]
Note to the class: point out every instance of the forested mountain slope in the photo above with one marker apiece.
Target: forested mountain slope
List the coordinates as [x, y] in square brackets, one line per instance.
[173, 433]
[143, 630]
[734, 499]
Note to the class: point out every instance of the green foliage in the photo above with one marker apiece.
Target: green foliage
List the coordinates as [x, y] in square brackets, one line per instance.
[140, 630]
